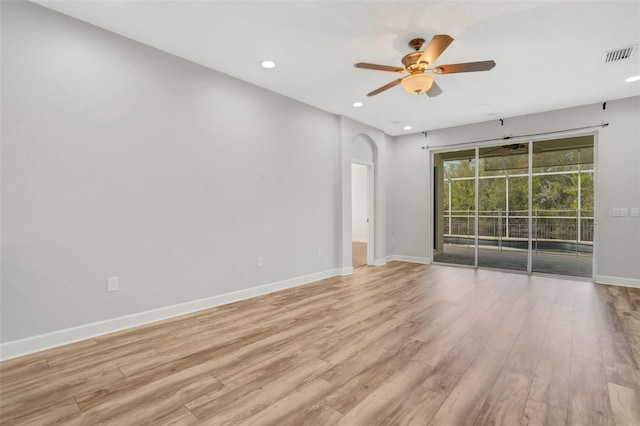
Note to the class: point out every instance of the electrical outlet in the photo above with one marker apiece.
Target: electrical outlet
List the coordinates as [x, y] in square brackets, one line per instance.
[259, 262]
[112, 284]
[319, 252]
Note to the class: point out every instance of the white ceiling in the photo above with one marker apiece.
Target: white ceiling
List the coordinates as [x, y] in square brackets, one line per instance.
[548, 53]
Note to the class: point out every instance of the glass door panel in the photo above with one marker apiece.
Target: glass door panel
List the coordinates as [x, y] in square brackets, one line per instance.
[454, 201]
[562, 206]
[503, 194]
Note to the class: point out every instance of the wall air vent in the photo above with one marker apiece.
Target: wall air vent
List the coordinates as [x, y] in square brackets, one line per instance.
[618, 54]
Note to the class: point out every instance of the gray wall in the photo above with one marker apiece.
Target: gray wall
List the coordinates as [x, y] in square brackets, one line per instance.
[618, 179]
[121, 160]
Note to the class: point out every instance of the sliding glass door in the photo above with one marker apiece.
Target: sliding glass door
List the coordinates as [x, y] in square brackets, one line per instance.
[523, 206]
[562, 213]
[503, 198]
[456, 193]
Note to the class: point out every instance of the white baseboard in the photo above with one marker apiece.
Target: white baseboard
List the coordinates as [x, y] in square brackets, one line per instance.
[346, 271]
[409, 259]
[54, 339]
[380, 262]
[358, 240]
[624, 282]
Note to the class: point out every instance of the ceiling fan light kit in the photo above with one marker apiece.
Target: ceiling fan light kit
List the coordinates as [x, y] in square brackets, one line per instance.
[420, 79]
[417, 83]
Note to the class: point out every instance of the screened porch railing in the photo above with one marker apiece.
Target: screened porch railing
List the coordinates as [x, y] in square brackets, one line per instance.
[565, 225]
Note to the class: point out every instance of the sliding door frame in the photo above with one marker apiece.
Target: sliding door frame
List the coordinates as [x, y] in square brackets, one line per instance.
[496, 143]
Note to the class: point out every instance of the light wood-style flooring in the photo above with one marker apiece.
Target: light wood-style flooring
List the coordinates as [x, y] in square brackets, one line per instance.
[358, 254]
[394, 345]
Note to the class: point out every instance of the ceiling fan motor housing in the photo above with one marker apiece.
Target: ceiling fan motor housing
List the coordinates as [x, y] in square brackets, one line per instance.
[410, 62]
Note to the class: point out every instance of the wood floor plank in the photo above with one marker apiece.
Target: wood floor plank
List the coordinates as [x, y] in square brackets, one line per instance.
[42, 414]
[168, 374]
[178, 417]
[418, 408]
[13, 372]
[166, 409]
[541, 414]
[243, 402]
[605, 309]
[586, 339]
[619, 361]
[523, 357]
[382, 401]
[625, 404]
[249, 369]
[589, 398]
[446, 374]
[294, 402]
[131, 401]
[551, 377]
[634, 344]
[319, 414]
[506, 401]
[440, 345]
[541, 310]
[464, 403]
[490, 321]
[360, 385]
[387, 345]
[361, 341]
[400, 344]
[51, 393]
[509, 329]
[621, 298]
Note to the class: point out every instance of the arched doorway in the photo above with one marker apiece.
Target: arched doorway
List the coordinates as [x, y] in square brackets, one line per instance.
[362, 203]
[355, 139]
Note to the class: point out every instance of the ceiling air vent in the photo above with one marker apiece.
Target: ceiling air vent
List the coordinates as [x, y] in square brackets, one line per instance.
[618, 54]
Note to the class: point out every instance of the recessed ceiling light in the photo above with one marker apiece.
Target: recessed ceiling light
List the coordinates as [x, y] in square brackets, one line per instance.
[633, 78]
[268, 64]
[407, 127]
[357, 104]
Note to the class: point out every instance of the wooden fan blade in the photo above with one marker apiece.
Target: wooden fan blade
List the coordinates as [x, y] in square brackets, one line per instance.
[378, 67]
[464, 67]
[434, 91]
[385, 87]
[434, 49]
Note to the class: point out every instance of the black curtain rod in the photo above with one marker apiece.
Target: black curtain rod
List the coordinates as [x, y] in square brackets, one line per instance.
[506, 138]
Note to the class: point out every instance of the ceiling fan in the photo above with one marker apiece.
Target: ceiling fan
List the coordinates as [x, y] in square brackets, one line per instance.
[513, 149]
[417, 64]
